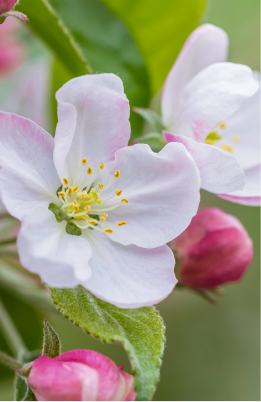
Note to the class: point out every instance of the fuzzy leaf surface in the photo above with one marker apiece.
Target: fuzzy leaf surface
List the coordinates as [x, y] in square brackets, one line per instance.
[140, 331]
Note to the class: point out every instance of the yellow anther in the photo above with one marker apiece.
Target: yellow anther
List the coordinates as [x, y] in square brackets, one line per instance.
[105, 215]
[75, 203]
[84, 161]
[92, 222]
[80, 194]
[103, 219]
[227, 148]
[210, 142]
[108, 230]
[236, 138]
[66, 181]
[118, 192]
[117, 174]
[85, 216]
[100, 185]
[69, 190]
[125, 200]
[102, 166]
[61, 194]
[222, 125]
[87, 208]
[89, 170]
[75, 189]
[121, 223]
[88, 197]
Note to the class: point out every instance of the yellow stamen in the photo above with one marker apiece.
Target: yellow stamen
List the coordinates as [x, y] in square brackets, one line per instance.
[87, 208]
[92, 222]
[75, 189]
[80, 194]
[75, 203]
[84, 161]
[236, 138]
[108, 230]
[210, 142]
[69, 191]
[89, 170]
[102, 166]
[227, 148]
[100, 185]
[103, 219]
[118, 192]
[117, 174]
[222, 125]
[61, 193]
[125, 200]
[105, 215]
[66, 181]
[121, 223]
[88, 197]
[85, 216]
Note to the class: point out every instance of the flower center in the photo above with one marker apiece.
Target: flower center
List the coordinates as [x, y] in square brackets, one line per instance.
[214, 137]
[82, 205]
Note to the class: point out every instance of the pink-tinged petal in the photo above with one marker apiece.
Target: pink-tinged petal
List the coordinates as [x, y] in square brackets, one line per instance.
[45, 248]
[218, 169]
[129, 276]
[80, 375]
[250, 195]
[214, 250]
[6, 5]
[27, 175]
[242, 132]
[206, 45]
[211, 96]
[11, 56]
[162, 190]
[93, 122]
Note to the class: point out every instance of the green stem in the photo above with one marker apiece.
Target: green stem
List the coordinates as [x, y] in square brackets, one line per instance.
[8, 241]
[10, 332]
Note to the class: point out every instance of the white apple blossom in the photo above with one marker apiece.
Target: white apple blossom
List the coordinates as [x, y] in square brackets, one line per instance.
[201, 96]
[94, 211]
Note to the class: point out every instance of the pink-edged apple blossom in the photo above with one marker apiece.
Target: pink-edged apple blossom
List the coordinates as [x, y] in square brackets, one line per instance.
[94, 211]
[214, 250]
[201, 93]
[80, 375]
[6, 10]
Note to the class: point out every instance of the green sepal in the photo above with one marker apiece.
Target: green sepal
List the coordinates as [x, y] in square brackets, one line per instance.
[140, 331]
[213, 136]
[151, 117]
[58, 213]
[51, 341]
[72, 229]
[9, 361]
[22, 390]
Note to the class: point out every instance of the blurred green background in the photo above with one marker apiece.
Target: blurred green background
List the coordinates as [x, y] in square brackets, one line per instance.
[212, 352]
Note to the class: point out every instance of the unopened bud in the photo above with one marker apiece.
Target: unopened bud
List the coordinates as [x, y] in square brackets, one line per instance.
[6, 10]
[215, 249]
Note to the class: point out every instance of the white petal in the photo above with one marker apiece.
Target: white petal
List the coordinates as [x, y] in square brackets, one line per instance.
[163, 194]
[244, 125]
[93, 114]
[28, 175]
[219, 171]
[206, 45]
[45, 248]
[250, 195]
[129, 276]
[211, 96]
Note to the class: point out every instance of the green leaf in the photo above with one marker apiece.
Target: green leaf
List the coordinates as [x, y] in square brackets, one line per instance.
[160, 28]
[51, 341]
[141, 332]
[72, 229]
[103, 42]
[152, 118]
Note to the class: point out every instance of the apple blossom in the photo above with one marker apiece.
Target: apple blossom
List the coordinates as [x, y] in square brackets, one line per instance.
[200, 95]
[215, 249]
[94, 211]
[80, 375]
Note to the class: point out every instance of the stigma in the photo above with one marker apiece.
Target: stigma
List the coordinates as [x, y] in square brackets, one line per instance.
[82, 204]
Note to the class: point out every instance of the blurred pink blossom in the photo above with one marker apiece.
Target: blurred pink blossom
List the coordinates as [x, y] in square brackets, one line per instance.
[215, 249]
[11, 50]
[80, 375]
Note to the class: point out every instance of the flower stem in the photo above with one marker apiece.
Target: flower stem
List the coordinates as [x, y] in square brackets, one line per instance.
[10, 332]
[8, 241]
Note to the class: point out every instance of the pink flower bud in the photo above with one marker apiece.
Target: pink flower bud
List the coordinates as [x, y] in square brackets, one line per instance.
[6, 5]
[80, 375]
[215, 249]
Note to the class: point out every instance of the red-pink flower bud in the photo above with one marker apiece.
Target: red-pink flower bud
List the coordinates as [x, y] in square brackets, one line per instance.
[80, 375]
[215, 249]
[6, 5]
